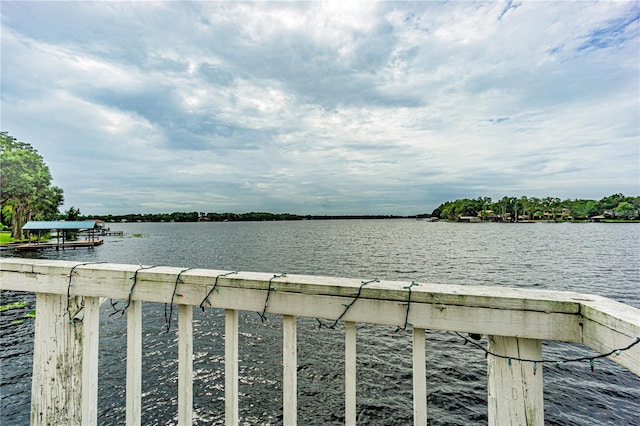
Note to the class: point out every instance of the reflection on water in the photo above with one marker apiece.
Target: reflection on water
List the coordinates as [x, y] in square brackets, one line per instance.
[590, 258]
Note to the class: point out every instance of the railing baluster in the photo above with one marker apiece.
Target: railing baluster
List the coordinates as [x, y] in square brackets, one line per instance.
[90, 351]
[185, 365]
[56, 388]
[350, 373]
[231, 414]
[419, 378]
[515, 388]
[134, 363]
[290, 369]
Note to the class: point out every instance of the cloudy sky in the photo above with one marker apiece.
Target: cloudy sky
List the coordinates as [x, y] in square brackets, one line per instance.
[324, 107]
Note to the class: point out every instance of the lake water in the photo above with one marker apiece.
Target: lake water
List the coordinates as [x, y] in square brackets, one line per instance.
[593, 258]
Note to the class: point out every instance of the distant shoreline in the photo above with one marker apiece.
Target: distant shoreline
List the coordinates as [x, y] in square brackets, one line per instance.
[365, 217]
[7, 242]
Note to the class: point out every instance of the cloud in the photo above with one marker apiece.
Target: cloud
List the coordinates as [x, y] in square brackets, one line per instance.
[352, 107]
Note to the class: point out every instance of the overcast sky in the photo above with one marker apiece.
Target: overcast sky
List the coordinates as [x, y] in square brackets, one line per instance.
[324, 108]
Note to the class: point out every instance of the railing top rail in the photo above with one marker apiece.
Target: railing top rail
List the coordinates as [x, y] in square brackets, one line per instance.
[494, 297]
[598, 322]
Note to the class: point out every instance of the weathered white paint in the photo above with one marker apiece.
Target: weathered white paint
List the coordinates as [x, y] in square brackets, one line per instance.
[134, 363]
[608, 324]
[290, 370]
[185, 365]
[57, 359]
[350, 373]
[90, 351]
[231, 413]
[540, 317]
[163, 278]
[515, 388]
[419, 377]
[522, 317]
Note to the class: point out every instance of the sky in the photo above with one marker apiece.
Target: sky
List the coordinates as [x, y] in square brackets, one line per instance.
[324, 108]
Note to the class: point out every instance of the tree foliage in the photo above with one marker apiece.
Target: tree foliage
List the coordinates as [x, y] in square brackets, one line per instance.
[512, 209]
[26, 192]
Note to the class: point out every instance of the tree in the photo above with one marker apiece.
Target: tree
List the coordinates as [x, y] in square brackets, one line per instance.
[612, 201]
[507, 208]
[625, 210]
[579, 208]
[551, 207]
[72, 214]
[25, 185]
[593, 208]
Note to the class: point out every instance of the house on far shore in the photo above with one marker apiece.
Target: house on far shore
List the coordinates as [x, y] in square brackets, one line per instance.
[600, 218]
[597, 218]
[469, 219]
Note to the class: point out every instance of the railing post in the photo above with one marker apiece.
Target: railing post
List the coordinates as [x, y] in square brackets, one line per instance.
[231, 414]
[56, 385]
[419, 378]
[290, 370]
[350, 373]
[90, 350]
[185, 365]
[134, 363]
[515, 388]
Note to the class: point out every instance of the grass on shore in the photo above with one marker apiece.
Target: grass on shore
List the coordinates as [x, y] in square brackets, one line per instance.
[5, 238]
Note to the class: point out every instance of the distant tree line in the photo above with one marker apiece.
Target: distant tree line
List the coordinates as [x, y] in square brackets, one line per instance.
[190, 217]
[512, 209]
[222, 217]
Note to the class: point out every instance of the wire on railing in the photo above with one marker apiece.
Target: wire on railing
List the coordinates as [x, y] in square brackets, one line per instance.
[72, 318]
[167, 319]
[215, 287]
[263, 315]
[135, 281]
[556, 362]
[408, 305]
[347, 305]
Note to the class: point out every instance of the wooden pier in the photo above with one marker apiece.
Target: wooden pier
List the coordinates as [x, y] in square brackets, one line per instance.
[516, 321]
[58, 245]
[88, 228]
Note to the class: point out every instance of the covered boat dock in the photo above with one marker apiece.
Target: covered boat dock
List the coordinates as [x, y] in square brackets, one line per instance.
[62, 229]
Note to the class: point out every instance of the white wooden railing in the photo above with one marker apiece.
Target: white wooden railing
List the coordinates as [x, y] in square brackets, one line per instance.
[65, 366]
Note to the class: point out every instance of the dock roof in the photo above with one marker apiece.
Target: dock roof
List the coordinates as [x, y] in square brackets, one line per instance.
[35, 225]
